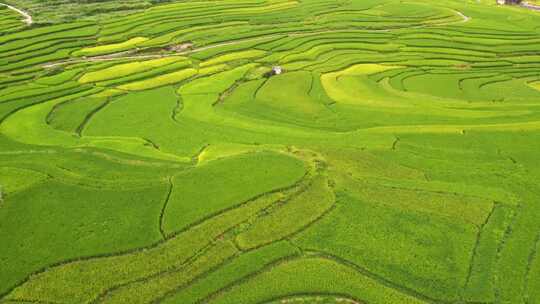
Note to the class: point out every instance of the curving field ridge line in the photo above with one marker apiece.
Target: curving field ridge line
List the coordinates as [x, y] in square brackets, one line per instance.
[119, 55]
[126, 54]
[27, 18]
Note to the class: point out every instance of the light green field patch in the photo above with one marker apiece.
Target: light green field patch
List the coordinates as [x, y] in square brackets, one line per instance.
[111, 48]
[212, 69]
[69, 116]
[362, 69]
[107, 220]
[68, 283]
[235, 180]
[109, 93]
[59, 78]
[534, 277]
[176, 36]
[330, 49]
[223, 150]
[232, 57]
[215, 83]
[16, 179]
[312, 204]
[278, 5]
[535, 85]
[147, 290]
[128, 69]
[314, 275]
[481, 284]
[478, 193]
[289, 93]
[29, 126]
[395, 160]
[293, 98]
[469, 210]
[159, 81]
[457, 129]
[420, 251]
[351, 86]
[244, 265]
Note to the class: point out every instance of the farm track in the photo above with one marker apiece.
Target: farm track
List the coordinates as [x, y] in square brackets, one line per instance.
[530, 6]
[27, 17]
[185, 230]
[120, 55]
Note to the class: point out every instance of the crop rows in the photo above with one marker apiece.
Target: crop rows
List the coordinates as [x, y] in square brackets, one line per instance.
[155, 158]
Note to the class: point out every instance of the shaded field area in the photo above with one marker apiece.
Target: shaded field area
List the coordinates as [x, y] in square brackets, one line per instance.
[154, 157]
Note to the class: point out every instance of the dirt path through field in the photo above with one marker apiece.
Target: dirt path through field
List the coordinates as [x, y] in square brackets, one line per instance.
[27, 18]
[465, 18]
[530, 6]
[122, 55]
[126, 54]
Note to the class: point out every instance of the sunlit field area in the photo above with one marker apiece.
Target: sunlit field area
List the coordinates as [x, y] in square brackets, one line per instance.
[269, 151]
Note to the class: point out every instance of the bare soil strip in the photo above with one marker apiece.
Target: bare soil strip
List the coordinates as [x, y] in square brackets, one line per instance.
[27, 18]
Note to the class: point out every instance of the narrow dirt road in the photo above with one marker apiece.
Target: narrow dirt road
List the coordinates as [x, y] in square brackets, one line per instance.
[530, 6]
[120, 55]
[27, 18]
[465, 18]
[124, 55]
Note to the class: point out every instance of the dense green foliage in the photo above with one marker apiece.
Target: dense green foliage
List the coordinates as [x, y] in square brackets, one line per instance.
[152, 156]
[54, 11]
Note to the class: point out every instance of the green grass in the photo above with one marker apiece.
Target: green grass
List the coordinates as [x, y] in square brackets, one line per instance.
[158, 81]
[108, 222]
[17, 179]
[71, 115]
[123, 268]
[159, 286]
[148, 156]
[127, 69]
[238, 268]
[234, 180]
[111, 48]
[481, 284]
[428, 254]
[233, 56]
[10, 21]
[58, 11]
[316, 275]
[282, 222]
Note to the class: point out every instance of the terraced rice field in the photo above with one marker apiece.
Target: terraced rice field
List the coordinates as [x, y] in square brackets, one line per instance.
[149, 158]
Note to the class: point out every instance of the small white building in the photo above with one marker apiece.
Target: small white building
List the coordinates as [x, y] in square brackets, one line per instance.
[276, 70]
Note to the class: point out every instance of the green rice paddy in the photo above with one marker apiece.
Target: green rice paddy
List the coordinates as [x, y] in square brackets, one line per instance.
[149, 155]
